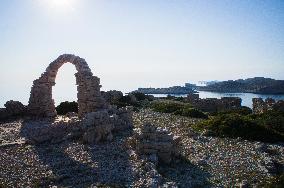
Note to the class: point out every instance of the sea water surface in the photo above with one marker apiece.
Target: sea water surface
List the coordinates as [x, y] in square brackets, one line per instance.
[246, 97]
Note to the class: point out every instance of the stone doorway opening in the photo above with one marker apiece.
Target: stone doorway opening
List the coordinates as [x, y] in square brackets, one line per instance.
[89, 96]
[65, 88]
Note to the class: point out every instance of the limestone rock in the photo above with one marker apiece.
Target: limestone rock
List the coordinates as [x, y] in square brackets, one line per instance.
[46, 131]
[153, 141]
[88, 86]
[112, 96]
[98, 126]
[260, 106]
[123, 118]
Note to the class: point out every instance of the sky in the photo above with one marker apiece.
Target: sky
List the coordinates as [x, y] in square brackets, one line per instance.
[138, 43]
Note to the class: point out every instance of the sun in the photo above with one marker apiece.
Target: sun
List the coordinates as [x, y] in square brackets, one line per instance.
[60, 5]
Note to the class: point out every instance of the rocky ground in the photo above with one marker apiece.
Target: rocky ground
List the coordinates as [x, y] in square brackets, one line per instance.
[205, 162]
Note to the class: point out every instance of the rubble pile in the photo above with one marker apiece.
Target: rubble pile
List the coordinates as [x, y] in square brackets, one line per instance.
[157, 143]
[97, 127]
[112, 96]
[214, 104]
[260, 106]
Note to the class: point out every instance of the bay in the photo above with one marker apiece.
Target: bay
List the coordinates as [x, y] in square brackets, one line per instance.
[246, 97]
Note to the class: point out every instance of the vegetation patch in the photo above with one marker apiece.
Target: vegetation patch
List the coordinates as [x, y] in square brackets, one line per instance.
[243, 110]
[136, 99]
[276, 182]
[65, 107]
[177, 108]
[263, 127]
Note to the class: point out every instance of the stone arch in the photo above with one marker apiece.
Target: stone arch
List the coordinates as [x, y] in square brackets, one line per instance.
[88, 88]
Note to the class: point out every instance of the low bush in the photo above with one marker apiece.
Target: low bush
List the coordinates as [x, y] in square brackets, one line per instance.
[177, 108]
[243, 110]
[141, 96]
[137, 100]
[65, 107]
[236, 125]
[171, 97]
[275, 182]
[271, 120]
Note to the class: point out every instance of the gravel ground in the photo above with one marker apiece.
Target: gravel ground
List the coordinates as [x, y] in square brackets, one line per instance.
[70, 163]
[205, 161]
[225, 162]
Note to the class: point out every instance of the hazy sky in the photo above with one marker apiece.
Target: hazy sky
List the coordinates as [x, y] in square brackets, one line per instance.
[139, 43]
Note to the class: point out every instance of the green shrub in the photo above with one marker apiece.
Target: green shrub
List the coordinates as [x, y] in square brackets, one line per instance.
[276, 182]
[177, 108]
[243, 110]
[65, 107]
[136, 99]
[141, 96]
[271, 120]
[236, 125]
[174, 98]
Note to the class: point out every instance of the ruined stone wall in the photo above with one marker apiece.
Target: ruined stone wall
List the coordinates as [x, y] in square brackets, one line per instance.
[156, 143]
[88, 87]
[112, 96]
[260, 106]
[214, 104]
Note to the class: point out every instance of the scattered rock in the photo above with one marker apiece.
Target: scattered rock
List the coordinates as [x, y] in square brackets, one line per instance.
[97, 126]
[156, 142]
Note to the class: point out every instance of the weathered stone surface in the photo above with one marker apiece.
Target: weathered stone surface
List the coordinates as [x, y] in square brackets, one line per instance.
[89, 96]
[37, 132]
[97, 127]
[93, 128]
[261, 106]
[214, 104]
[156, 142]
[123, 118]
[112, 96]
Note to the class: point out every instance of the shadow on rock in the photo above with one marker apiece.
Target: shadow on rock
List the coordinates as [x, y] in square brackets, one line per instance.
[184, 174]
[72, 163]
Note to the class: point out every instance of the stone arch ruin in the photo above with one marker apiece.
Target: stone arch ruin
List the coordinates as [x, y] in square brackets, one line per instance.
[88, 88]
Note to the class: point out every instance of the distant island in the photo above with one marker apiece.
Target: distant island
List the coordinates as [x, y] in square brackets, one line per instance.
[258, 85]
[177, 90]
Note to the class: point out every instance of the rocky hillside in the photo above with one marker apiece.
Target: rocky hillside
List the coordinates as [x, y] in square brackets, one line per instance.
[170, 90]
[251, 85]
[204, 161]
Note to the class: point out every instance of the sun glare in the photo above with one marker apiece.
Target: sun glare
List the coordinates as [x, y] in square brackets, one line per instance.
[61, 5]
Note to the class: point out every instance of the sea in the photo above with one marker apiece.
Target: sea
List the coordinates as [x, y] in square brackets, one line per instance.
[246, 97]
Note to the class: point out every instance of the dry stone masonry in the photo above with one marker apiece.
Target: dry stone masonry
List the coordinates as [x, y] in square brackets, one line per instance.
[97, 127]
[260, 106]
[156, 143]
[214, 104]
[97, 118]
[88, 87]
